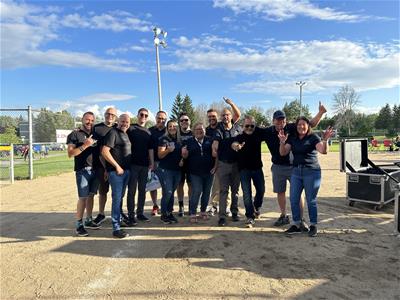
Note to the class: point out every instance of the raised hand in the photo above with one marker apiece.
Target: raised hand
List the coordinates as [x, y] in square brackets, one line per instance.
[282, 136]
[328, 133]
[227, 100]
[321, 108]
[89, 141]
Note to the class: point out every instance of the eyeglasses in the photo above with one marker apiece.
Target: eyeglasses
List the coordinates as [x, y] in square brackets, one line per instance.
[162, 119]
[110, 114]
[184, 120]
[249, 126]
[144, 115]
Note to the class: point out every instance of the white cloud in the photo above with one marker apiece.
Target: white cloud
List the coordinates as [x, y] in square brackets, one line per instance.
[125, 49]
[323, 64]
[278, 10]
[205, 42]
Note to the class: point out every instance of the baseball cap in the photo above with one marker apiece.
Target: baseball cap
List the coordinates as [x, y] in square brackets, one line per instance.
[279, 115]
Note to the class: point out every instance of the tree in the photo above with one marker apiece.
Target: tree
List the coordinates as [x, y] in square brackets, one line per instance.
[344, 103]
[396, 117]
[9, 136]
[259, 115]
[187, 107]
[325, 122]
[177, 107]
[200, 112]
[363, 124]
[47, 122]
[292, 110]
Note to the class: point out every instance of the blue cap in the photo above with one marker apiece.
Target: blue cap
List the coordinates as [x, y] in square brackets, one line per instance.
[279, 115]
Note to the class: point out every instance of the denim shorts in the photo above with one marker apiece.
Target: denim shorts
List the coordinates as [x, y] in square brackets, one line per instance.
[87, 182]
[280, 176]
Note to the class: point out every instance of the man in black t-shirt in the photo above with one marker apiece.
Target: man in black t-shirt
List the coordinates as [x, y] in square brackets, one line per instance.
[142, 161]
[99, 132]
[80, 144]
[157, 131]
[117, 153]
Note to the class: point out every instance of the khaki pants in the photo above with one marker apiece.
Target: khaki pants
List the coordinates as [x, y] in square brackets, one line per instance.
[215, 194]
[229, 177]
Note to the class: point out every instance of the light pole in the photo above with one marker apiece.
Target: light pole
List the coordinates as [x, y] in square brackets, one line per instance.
[300, 84]
[157, 41]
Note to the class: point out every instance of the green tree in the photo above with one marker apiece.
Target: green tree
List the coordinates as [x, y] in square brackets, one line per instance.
[364, 124]
[46, 123]
[177, 107]
[292, 110]
[259, 115]
[396, 117]
[384, 119]
[9, 135]
[344, 103]
[325, 122]
[187, 107]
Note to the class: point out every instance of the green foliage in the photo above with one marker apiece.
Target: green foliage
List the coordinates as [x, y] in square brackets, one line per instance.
[9, 136]
[46, 123]
[187, 107]
[396, 117]
[177, 107]
[325, 122]
[292, 110]
[259, 115]
[384, 119]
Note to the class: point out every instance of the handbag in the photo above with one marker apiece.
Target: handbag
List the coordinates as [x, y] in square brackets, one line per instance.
[153, 182]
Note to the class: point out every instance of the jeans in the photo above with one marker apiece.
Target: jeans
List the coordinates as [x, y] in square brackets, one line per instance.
[118, 186]
[169, 180]
[257, 176]
[201, 186]
[228, 176]
[309, 180]
[138, 180]
[86, 182]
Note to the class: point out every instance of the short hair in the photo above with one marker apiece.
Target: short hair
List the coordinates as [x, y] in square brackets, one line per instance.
[198, 124]
[249, 117]
[212, 110]
[183, 114]
[88, 113]
[161, 112]
[142, 109]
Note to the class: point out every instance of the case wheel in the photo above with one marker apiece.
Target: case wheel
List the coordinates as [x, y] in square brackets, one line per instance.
[351, 203]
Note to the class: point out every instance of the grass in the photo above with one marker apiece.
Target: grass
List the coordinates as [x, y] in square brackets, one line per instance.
[333, 148]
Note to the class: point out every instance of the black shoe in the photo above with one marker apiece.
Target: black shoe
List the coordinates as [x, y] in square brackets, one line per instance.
[235, 218]
[181, 212]
[81, 231]
[120, 234]
[283, 220]
[293, 230]
[165, 219]
[143, 218]
[257, 213]
[172, 218]
[250, 223]
[91, 225]
[304, 226]
[130, 222]
[221, 222]
[99, 219]
[313, 231]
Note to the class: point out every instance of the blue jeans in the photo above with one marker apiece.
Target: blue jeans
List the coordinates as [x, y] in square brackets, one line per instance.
[86, 182]
[257, 176]
[201, 186]
[309, 180]
[169, 180]
[118, 186]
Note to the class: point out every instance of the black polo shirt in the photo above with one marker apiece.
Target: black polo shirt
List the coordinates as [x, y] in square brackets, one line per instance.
[304, 150]
[140, 138]
[85, 158]
[272, 140]
[171, 160]
[99, 132]
[225, 139]
[249, 157]
[200, 160]
[155, 136]
[211, 131]
[185, 136]
[120, 146]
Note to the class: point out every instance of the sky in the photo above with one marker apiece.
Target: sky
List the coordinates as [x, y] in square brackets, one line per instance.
[89, 55]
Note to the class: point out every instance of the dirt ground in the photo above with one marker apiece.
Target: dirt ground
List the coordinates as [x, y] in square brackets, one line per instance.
[355, 256]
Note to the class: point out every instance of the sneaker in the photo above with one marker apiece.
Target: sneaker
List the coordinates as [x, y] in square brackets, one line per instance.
[99, 219]
[293, 230]
[130, 222]
[165, 219]
[120, 234]
[143, 218]
[283, 220]
[235, 218]
[313, 231]
[155, 211]
[81, 231]
[250, 223]
[228, 213]
[91, 225]
[181, 212]
[172, 218]
[212, 211]
[257, 213]
[304, 226]
[124, 218]
[221, 222]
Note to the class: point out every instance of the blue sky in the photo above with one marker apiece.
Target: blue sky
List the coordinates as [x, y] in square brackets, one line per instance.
[88, 55]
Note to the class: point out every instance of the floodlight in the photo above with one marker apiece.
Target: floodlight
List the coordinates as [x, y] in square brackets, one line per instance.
[156, 41]
[164, 33]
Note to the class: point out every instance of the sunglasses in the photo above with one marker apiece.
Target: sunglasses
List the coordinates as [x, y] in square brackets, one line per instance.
[184, 120]
[144, 115]
[249, 126]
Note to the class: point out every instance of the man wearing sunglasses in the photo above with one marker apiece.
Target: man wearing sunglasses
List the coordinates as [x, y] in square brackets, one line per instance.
[142, 161]
[99, 132]
[248, 147]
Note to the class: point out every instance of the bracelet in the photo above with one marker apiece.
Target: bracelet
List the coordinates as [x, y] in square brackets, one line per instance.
[81, 148]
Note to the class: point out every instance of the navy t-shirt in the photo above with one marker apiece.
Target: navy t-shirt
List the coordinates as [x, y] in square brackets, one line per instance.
[140, 138]
[85, 158]
[120, 146]
[304, 150]
[200, 160]
[211, 131]
[272, 140]
[171, 160]
[185, 136]
[225, 138]
[99, 132]
[249, 157]
[155, 136]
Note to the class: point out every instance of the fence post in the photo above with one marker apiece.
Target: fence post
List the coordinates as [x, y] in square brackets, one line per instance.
[12, 164]
[30, 142]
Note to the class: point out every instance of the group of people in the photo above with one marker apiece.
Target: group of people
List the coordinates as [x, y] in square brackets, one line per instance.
[213, 160]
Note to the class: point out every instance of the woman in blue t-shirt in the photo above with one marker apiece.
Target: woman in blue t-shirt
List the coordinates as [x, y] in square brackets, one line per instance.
[306, 173]
[169, 169]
